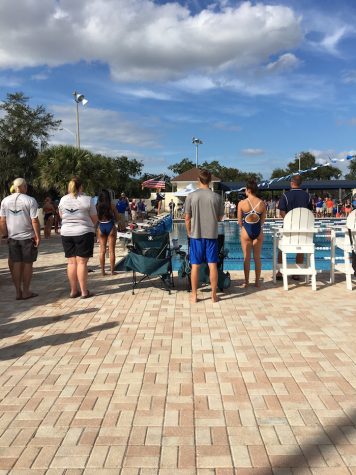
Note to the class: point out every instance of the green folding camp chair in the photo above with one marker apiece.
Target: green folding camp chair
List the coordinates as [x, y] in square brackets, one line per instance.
[150, 255]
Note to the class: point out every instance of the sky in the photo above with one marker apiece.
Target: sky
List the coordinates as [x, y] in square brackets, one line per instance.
[256, 82]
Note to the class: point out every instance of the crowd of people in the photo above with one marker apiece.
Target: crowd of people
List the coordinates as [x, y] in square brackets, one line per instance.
[81, 218]
[78, 218]
[326, 207]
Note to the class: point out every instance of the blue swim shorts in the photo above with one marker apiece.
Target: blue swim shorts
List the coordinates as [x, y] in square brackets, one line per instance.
[203, 250]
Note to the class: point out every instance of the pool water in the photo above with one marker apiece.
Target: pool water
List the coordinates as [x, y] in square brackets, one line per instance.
[234, 261]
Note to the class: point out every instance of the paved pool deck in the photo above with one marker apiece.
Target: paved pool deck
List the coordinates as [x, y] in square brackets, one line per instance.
[263, 382]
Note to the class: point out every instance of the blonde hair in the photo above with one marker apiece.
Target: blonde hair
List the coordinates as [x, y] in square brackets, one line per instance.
[74, 186]
[19, 183]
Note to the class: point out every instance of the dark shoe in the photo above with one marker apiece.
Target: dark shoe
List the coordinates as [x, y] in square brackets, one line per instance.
[279, 276]
[295, 277]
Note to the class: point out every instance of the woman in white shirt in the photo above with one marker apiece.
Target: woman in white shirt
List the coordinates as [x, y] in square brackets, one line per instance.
[78, 214]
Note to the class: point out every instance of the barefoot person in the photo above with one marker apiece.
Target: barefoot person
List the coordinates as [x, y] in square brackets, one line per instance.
[107, 215]
[19, 222]
[251, 215]
[79, 217]
[203, 210]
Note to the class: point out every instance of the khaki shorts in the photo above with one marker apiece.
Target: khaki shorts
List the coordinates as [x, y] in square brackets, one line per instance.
[121, 220]
[23, 250]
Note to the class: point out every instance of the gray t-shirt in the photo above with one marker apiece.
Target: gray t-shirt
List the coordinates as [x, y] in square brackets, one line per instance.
[19, 210]
[76, 212]
[205, 208]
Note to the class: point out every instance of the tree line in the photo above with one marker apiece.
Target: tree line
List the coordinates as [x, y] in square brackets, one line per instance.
[25, 152]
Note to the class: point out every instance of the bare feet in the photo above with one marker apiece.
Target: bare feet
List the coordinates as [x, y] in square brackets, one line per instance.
[193, 298]
[114, 273]
[214, 298]
[257, 283]
[103, 273]
[246, 284]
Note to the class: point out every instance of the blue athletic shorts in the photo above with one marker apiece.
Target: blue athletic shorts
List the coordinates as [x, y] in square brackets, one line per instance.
[203, 250]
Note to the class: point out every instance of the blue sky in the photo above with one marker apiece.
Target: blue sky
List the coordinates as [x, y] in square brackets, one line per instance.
[257, 82]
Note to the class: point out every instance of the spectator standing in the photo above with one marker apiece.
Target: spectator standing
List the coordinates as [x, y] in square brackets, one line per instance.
[133, 209]
[203, 210]
[79, 217]
[19, 222]
[122, 207]
[295, 198]
[329, 207]
[272, 208]
[232, 210]
[348, 208]
[319, 207]
[172, 207]
[227, 208]
[141, 209]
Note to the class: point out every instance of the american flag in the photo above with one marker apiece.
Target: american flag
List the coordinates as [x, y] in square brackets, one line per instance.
[154, 183]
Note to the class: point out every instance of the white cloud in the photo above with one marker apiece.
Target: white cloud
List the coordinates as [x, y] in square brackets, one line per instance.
[331, 41]
[7, 80]
[40, 76]
[349, 77]
[227, 126]
[285, 62]
[146, 94]
[253, 152]
[100, 128]
[141, 40]
[325, 32]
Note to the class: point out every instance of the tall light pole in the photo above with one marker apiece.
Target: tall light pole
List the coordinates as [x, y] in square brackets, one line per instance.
[196, 142]
[299, 155]
[79, 98]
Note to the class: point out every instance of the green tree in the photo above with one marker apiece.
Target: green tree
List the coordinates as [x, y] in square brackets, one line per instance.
[126, 171]
[278, 173]
[24, 131]
[58, 164]
[230, 173]
[352, 170]
[307, 160]
[181, 167]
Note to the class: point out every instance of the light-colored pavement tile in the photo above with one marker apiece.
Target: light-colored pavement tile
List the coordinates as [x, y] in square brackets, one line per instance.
[260, 383]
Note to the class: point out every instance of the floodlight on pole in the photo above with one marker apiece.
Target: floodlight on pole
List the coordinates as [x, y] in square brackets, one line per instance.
[196, 142]
[299, 160]
[79, 98]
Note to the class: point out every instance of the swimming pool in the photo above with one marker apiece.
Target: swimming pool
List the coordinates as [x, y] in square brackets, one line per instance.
[234, 261]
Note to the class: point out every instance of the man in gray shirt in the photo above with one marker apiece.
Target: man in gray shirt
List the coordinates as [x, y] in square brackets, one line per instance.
[203, 210]
[19, 222]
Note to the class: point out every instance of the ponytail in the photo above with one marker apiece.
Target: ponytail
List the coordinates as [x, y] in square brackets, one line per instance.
[74, 186]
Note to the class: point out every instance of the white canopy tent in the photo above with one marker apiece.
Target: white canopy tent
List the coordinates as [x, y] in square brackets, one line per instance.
[186, 191]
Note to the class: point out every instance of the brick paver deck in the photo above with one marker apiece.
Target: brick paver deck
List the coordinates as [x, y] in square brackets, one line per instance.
[259, 383]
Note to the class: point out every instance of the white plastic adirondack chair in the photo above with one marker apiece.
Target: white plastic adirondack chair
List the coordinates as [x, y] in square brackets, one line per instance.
[343, 242]
[297, 237]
